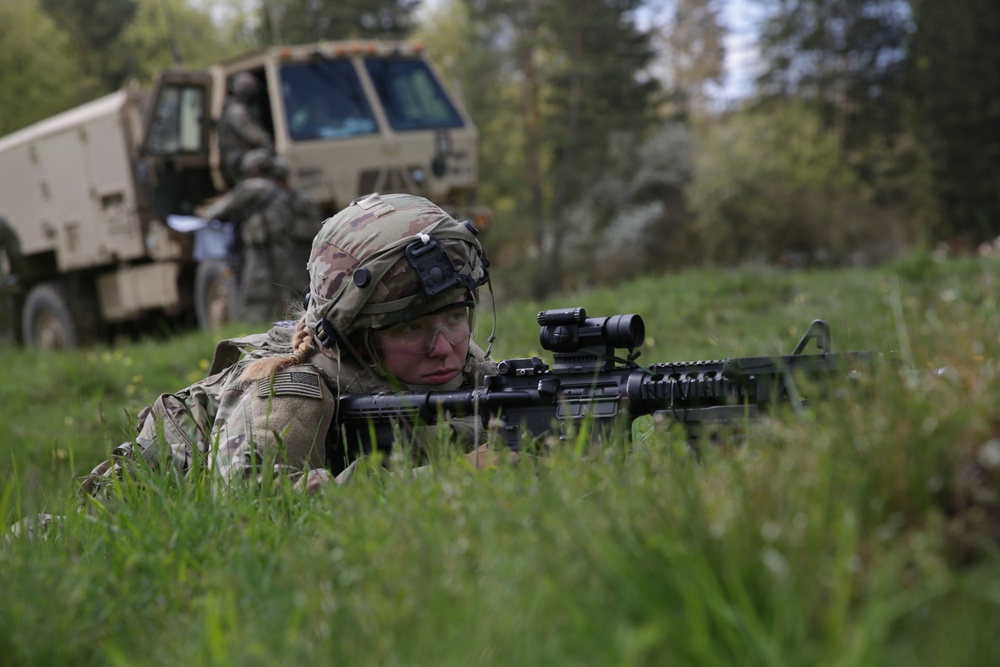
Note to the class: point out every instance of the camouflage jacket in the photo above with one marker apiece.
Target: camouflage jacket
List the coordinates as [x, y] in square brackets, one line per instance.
[238, 428]
[239, 132]
[263, 209]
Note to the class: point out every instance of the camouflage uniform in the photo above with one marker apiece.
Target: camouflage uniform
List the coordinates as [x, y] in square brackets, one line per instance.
[239, 132]
[239, 426]
[10, 246]
[273, 271]
[307, 219]
[359, 278]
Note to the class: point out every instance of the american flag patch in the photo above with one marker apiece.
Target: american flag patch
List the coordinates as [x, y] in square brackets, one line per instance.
[291, 383]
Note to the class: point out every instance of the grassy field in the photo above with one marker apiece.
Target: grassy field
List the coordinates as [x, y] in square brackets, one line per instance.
[857, 536]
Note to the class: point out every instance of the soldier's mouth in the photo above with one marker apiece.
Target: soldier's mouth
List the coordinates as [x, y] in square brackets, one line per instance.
[441, 376]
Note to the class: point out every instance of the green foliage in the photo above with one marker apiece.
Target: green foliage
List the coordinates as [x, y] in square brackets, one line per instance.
[844, 57]
[304, 21]
[633, 220]
[957, 92]
[94, 28]
[835, 539]
[174, 33]
[564, 82]
[773, 187]
[48, 66]
[37, 69]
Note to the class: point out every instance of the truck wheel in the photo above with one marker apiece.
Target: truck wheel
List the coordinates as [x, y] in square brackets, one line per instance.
[48, 320]
[214, 294]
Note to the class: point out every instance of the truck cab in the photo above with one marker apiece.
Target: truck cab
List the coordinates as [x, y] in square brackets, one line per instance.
[351, 118]
[90, 191]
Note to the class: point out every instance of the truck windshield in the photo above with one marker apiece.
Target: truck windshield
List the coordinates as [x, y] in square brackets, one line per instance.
[324, 100]
[410, 95]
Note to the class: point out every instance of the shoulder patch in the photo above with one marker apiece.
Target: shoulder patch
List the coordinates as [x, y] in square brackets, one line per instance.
[293, 382]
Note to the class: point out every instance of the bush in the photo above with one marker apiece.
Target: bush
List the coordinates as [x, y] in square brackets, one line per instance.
[774, 187]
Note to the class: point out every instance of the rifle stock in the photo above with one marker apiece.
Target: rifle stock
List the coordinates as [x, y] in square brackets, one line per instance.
[528, 399]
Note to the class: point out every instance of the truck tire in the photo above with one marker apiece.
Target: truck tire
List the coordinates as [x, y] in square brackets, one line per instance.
[215, 292]
[48, 321]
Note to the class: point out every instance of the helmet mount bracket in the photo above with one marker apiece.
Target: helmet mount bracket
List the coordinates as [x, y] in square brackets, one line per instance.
[433, 266]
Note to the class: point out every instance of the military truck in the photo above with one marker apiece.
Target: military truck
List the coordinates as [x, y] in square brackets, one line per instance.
[90, 190]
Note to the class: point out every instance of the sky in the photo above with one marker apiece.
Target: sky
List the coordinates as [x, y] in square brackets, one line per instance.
[741, 54]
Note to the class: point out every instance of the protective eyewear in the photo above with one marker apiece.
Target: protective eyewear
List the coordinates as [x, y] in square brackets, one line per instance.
[420, 335]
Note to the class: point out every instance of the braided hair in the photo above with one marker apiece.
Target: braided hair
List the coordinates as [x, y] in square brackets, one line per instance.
[304, 346]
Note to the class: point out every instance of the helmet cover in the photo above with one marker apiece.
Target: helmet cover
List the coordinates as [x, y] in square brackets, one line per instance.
[387, 259]
[244, 86]
[281, 167]
[255, 161]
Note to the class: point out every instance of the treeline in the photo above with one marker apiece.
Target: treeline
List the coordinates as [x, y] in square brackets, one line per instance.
[873, 125]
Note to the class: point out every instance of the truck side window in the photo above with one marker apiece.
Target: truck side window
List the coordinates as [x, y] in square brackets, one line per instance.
[411, 96]
[324, 100]
[177, 124]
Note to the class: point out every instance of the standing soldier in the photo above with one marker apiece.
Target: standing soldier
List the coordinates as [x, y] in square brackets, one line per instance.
[10, 248]
[263, 211]
[307, 219]
[239, 129]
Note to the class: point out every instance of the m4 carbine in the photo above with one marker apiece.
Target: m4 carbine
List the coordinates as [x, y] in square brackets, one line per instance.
[528, 400]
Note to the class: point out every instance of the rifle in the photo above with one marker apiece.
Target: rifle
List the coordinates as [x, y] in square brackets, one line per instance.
[587, 380]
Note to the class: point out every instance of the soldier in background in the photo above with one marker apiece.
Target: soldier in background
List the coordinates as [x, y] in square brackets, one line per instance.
[239, 129]
[263, 210]
[307, 219]
[10, 249]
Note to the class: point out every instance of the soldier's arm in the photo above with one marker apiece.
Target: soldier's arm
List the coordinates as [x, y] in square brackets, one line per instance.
[173, 431]
[246, 196]
[246, 127]
[277, 424]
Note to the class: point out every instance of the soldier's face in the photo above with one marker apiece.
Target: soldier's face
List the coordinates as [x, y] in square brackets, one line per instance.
[429, 350]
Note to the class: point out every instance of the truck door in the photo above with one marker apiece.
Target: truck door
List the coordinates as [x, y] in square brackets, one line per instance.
[173, 171]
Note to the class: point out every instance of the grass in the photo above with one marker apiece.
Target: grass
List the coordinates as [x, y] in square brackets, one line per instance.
[844, 539]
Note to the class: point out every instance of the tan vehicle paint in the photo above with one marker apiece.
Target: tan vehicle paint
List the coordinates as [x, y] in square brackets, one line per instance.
[89, 190]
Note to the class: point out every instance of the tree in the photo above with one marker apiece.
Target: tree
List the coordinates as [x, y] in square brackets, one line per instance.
[300, 21]
[94, 28]
[846, 60]
[845, 57]
[37, 68]
[772, 186]
[175, 33]
[577, 73]
[692, 52]
[956, 85]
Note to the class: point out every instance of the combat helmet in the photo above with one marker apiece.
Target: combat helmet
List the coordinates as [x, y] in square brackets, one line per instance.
[255, 162]
[245, 87]
[387, 259]
[281, 168]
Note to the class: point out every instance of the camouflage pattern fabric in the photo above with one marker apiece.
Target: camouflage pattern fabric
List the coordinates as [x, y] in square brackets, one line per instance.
[240, 429]
[239, 132]
[359, 275]
[273, 273]
[307, 220]
[10, 248]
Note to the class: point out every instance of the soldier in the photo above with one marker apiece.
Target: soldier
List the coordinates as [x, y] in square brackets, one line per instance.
[10, 247]
[239, 129]
[263, 210]
[372, 323]
[307, 219]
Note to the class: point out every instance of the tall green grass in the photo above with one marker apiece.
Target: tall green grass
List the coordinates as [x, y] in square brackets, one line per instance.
[833, 540]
